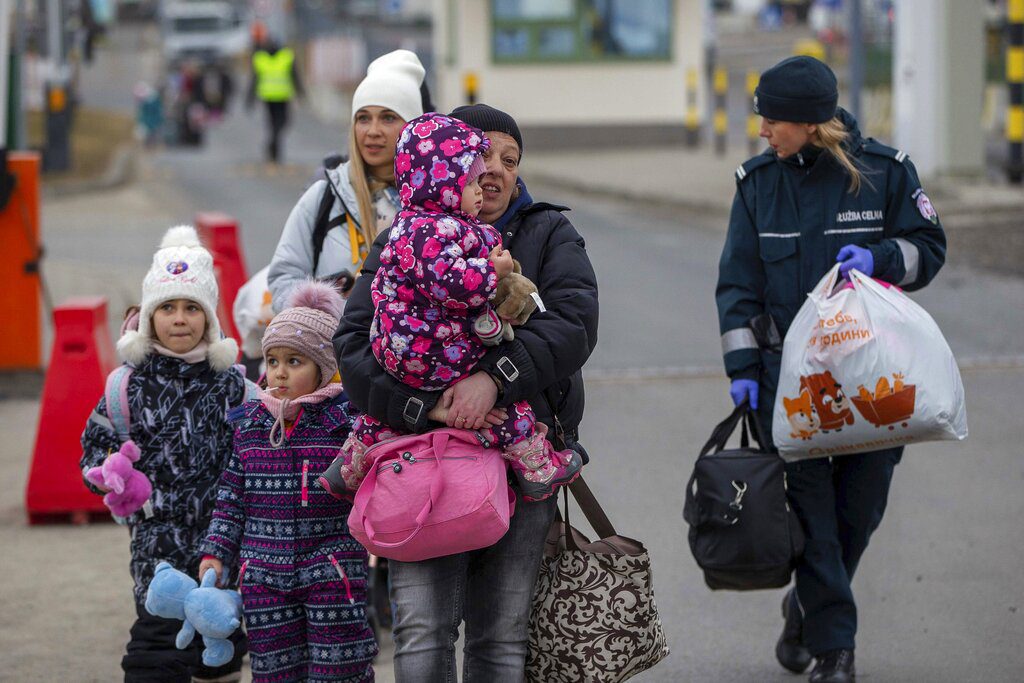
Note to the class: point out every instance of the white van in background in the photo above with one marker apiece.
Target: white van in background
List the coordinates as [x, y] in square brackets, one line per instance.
[209, 30]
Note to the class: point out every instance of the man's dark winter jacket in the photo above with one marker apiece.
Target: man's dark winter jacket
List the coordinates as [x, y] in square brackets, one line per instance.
[544, 358]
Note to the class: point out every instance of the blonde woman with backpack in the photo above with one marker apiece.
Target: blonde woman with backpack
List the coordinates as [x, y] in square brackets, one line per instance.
[328, 233]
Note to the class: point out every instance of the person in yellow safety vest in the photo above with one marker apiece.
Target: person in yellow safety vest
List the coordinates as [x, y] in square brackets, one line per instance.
[275, 81]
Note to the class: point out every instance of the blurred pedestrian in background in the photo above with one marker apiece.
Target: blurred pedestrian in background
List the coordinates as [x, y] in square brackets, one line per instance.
[149, 113]
[275, 81]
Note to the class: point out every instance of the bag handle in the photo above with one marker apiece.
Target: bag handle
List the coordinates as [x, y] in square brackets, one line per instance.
[591, 509]
[826, 286]
[757, 430]
[439, 441]
[742, 414]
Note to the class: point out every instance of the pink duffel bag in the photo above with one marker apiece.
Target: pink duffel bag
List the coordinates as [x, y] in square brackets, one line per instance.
[429, 495]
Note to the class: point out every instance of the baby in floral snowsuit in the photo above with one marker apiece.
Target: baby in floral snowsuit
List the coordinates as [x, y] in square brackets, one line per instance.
[438, 272]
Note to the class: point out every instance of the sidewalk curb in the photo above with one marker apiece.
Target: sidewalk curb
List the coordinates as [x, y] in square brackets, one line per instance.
[559, 182]
[118, 172]
[21, 384]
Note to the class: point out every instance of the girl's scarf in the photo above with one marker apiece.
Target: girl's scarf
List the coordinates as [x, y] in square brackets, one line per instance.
[194, 356]
[286, 410]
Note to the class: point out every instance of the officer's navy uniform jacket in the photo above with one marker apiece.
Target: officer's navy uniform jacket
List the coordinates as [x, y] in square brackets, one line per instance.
[790, 217]
[789, 220]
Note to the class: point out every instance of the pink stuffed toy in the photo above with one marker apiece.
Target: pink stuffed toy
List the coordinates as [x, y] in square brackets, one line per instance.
[128, 488]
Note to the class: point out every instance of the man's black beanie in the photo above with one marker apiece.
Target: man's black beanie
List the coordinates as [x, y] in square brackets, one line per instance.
[798, 89]
[488, 118]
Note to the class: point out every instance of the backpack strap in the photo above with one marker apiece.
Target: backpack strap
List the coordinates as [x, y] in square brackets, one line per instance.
[116, 394]
[324, 223]
[252, 390]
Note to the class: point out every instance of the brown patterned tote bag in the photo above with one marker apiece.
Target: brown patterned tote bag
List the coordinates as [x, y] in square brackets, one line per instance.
[594, 619]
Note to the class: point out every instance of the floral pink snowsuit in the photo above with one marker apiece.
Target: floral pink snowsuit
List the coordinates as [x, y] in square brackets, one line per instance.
[434, 280]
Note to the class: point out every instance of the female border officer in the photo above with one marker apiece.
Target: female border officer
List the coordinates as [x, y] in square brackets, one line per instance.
[821, 194]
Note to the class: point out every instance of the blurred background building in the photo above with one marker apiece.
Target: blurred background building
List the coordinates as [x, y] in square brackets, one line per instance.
[929, 76]
[590, 72]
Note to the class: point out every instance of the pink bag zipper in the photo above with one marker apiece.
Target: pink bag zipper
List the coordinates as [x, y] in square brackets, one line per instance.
[305, 480]
[344, 577]
[241, 575]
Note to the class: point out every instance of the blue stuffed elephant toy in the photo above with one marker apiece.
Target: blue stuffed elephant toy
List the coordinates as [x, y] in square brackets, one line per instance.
[213, 612]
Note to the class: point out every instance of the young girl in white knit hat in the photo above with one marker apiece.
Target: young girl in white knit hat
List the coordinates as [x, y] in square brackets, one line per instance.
[170, 398]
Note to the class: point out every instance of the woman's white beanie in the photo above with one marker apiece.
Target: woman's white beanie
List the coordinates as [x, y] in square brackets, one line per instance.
[181, 269]
[392, 80]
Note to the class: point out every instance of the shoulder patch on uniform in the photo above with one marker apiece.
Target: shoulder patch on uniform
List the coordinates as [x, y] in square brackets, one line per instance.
[878, 149]
[750, 165]
[924, 206]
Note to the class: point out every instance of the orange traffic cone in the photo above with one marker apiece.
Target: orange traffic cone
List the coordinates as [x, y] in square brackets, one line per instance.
[82, 357]
[219, 233]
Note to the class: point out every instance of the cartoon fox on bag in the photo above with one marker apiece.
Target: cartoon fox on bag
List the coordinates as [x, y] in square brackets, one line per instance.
[803, 418]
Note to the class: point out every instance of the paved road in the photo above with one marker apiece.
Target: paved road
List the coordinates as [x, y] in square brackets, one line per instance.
[940, 592]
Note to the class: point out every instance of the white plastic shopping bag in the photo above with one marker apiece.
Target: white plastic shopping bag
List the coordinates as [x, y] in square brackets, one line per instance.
[252, 313]
[864, 368]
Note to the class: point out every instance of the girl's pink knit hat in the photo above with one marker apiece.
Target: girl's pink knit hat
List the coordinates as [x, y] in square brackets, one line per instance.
[308, 325]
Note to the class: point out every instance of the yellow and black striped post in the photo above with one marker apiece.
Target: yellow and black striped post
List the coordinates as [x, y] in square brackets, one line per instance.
[1015, 81]
[753, 120]
[470, 82]
[721, 118]
[692, 113]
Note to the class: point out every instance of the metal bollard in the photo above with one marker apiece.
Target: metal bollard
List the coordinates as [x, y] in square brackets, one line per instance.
[721, 118]
[1015, 82]
[692, 114]
[57, 153]
[470, 83]
[753, 120]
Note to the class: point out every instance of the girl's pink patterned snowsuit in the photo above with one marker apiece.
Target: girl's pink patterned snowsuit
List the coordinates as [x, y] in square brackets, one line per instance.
[435, 277]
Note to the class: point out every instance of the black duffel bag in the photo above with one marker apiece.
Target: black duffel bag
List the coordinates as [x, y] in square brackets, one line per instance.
[743, 533]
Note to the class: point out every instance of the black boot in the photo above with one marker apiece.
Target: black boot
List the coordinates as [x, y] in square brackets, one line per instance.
[790, 650]
[835, 666]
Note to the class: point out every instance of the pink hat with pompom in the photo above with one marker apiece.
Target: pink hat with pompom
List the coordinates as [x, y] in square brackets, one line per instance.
[307, 325]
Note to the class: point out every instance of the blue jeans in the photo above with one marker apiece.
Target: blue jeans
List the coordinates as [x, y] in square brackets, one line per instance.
[491, 589]
[840, 503]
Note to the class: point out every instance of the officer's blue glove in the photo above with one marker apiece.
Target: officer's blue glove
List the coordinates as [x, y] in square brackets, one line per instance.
[743, 389]
[851, 256]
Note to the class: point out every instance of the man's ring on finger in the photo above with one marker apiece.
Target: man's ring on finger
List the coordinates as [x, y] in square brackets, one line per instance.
[461, 419]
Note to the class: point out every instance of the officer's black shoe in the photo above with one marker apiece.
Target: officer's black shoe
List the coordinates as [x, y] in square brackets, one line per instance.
[835, 666]
[790, 650]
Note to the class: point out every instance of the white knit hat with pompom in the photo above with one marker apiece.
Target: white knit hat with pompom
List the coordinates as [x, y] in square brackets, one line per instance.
[181, 269]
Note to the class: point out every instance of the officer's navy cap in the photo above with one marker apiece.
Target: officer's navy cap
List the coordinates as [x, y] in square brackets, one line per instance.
[799, 89]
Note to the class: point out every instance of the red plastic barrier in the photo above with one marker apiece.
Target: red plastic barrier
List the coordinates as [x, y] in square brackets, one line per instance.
[219, 233]
[82, 357]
